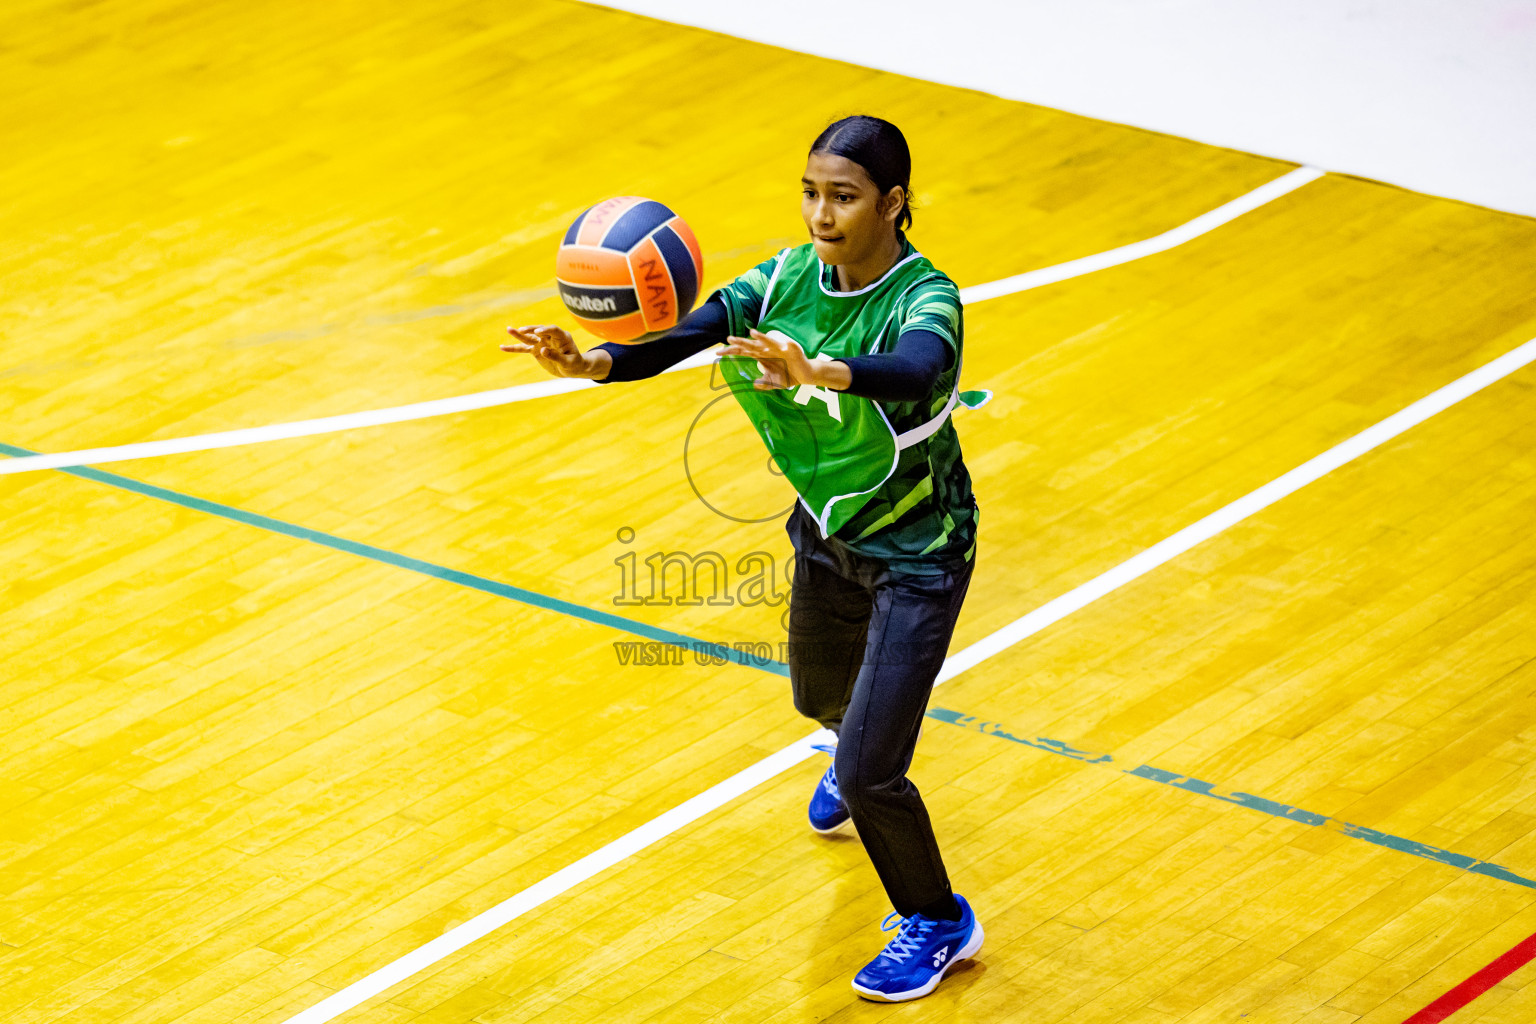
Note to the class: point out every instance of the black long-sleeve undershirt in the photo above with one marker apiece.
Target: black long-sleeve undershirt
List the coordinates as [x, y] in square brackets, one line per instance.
[905, 374]
[708, 325]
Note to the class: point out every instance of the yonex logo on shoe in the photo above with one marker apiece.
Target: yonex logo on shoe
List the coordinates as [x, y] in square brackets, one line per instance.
[941, 956]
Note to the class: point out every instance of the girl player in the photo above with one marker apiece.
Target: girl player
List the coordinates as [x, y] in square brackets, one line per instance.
[845, 353]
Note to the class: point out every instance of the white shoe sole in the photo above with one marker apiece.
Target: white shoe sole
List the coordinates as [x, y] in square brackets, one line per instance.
[971, 948]
[841, 828]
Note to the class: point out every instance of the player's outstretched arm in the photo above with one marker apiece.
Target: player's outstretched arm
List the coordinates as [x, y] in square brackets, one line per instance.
[783, 363]
[556, 351]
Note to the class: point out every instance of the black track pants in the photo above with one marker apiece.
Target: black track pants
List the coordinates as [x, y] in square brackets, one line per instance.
[865, 645]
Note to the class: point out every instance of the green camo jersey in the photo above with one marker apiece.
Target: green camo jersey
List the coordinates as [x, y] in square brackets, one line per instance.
[884, 478]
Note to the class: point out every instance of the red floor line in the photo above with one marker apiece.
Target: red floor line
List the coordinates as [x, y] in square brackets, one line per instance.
[1477, 984]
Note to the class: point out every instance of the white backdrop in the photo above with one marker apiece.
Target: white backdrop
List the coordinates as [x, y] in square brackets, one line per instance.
[1434, 95]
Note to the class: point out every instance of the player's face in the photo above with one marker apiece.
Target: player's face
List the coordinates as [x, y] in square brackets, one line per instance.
[844, 211]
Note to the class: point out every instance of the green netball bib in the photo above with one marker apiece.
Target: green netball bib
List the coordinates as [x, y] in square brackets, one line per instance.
[836, 449]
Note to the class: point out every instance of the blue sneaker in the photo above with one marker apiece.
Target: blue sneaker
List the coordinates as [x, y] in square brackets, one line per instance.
[913, 963]
[828, 812]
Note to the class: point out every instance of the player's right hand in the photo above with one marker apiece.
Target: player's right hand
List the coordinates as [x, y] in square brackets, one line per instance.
[556, 351]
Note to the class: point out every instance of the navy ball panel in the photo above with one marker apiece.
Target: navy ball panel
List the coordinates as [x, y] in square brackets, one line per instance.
[680, 261]
[638, 222]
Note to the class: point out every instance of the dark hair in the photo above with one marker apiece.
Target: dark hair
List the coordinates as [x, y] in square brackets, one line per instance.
[877, 146]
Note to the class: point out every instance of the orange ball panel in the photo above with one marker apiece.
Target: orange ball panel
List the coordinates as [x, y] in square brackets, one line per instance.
[598, 267]
[658, 295]
[625, 329]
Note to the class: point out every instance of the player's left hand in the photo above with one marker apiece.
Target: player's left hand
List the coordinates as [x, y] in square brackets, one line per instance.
[556, 351]
[782, 361]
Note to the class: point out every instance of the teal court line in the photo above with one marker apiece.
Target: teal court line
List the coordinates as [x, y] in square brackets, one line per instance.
[721, 651]
[714, 651]
[1257, 803]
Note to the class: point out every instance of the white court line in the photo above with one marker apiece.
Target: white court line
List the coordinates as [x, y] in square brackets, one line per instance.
[1021, 628]
[1136, 250]
[540, 389]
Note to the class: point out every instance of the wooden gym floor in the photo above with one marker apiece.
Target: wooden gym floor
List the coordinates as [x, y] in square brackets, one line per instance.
[244, 769]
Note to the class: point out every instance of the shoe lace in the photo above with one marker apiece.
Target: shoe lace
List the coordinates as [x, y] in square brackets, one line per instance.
[909, 936]
[829, 780]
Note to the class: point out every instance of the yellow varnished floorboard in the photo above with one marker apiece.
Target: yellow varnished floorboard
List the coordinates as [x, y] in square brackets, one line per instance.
[1129, 404]
[1117, 899]
[243, 771]
[278, 185]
